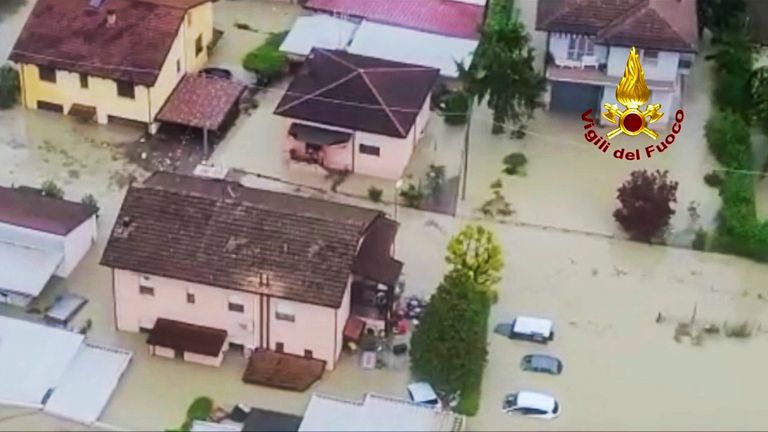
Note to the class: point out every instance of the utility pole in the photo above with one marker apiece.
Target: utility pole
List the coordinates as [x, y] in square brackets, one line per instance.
[466, 149]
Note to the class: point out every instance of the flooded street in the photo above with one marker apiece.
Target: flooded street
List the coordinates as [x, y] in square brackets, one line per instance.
[622, 369]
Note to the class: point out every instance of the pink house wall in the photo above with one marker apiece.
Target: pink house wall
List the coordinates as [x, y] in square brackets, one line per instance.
[337, 156]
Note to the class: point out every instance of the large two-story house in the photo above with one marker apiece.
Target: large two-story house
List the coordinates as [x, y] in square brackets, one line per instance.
[203, 265]
[588, 44]
[110, 59]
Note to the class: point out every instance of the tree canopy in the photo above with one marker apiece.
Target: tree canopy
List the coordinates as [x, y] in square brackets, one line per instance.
[475, 252]
[646, 204]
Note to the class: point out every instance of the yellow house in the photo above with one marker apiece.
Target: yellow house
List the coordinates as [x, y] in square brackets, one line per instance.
[110, 59]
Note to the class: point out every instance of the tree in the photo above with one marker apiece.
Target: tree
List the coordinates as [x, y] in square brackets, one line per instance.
[448, 348]
[728, 137]
[646, 200]
[475, 252]
[9, 86]
[734, 58]
[502, 70]
[721, 15]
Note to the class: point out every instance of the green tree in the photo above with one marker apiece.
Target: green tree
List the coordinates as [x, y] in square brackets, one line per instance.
[734, 59]
[646, 204]
[502, 70]
[728, 137]
[475, 253]
[9, 86]
[720, 16]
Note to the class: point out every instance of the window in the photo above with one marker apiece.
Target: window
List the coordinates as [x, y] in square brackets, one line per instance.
[125, 89]
[650, 58]
[279, 347]
[369, 150]
[146, 290]
[47, 74]
[685, 62]
[83, 80]
[285, 317]
[284, 312]
[178, 66]
[198, 45]
[235, 306]
[579, 46]
[308, 353]
[190, 297]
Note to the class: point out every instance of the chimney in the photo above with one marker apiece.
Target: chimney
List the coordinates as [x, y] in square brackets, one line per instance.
[111, 18]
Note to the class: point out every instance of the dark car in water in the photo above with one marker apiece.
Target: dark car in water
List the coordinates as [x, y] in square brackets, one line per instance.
[541, 363]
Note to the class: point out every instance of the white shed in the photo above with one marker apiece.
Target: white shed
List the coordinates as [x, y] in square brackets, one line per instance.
[40, 237]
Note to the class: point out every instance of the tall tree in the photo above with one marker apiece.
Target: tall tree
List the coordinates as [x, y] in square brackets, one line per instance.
[475, 253]
[502, 70]
[646, 204]
[720, 16]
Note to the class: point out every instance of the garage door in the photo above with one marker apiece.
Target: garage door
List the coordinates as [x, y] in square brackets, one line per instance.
[572, 97]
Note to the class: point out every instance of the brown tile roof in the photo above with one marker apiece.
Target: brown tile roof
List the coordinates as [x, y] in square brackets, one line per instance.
[223, 234]
[29, 209]
[201, 101]
[373, 259]
[282, 370]
[653, 24]
[187, 337]
[359, 93]
[70, 35]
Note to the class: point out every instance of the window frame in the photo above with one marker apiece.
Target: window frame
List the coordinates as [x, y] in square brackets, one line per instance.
[580, 46]
[84, 81]
[146, 290]
[47, 74]
[191, 296]
[369, 150]
[282, 316]
[235, 306]
[122, 86]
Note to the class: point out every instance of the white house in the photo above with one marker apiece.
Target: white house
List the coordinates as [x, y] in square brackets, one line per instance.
[40, 237]
[587, 51]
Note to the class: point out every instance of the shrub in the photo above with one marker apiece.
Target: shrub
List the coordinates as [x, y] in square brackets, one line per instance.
[91, 202]
[9, 87]
[700, 240]
[646, 204]
[435, 178]
[50, 189]
[513, 163]
[374, 194]
[713, 179]
[267, 60]
[412, 195]
[437, 97]
[200, 409]
[739, 331]
[456, 108]
[738, 231]
[728, 138]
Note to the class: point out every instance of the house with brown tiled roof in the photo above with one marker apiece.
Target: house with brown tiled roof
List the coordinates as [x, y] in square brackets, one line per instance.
[354, 113]
[110, 59]
[589, 41]
[204, 265]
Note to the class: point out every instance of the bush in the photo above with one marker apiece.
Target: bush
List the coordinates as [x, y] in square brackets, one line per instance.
[91, 202]
[200, 409]
[267, 60]
[738, 231]
[435, 178]
[700, 240]
[456, 108]
[739, 331]
[713, 179]
[513, 163]
[412, 195]
[728, 138]
[374, 194]
[50, 189]
[9, 87]
[646, 204]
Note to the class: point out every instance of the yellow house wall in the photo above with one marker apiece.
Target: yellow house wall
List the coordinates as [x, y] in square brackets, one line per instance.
[102, 92]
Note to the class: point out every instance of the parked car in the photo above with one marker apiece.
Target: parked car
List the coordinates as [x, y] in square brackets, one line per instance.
[217, 72]
[531, 404]
[422, 392]
[541, 363]
[527, 328]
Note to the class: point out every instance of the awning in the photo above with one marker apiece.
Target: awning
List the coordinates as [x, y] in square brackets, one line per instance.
[85, 112]
[354, 328]
[284, 371]
[373, 260]
[25, 270]
[201, 102]
[316, 135]
[187, 337]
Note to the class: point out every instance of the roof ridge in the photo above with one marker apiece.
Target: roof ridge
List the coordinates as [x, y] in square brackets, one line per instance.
[628, 14]
[568, 7]
[312, 95]
[339, 59]
[381, 102]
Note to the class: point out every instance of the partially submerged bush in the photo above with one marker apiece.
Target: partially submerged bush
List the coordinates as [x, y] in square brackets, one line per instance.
[713, 179]
[91, 202]
[412, 195]
[514, 162]
[267, 60]
[374, 194]
[700, 240]
[435, 178]
[9, 87]
[456, 108]
[740, 331]
[50, 189]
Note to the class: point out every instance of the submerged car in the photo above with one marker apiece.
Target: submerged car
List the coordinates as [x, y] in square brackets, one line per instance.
[531, 404]
[527, 328]
[541, 363]
[423, 393]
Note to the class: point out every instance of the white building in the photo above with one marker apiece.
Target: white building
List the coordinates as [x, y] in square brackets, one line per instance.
[588, 51]
[39, 237]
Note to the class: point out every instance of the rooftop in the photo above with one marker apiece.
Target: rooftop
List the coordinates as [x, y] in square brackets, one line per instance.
[447, 17]
[359, 93]
[653, 24]
[72, 35]
[220, 233]
[201, 101]
[28, 209]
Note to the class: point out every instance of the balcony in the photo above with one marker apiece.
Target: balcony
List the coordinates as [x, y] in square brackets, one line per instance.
[596, 76]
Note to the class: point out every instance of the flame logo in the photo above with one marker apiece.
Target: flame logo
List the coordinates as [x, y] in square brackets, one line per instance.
[632, 91]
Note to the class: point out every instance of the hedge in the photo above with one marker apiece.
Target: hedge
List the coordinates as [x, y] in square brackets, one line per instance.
[729, 139]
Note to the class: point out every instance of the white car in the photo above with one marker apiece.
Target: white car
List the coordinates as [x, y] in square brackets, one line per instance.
[423, 393]
[531, 404]
[527, 328]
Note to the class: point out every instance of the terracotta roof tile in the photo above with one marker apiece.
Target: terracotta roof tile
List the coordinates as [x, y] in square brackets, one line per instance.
[357, 92]
[29, 209]
[447, 17]
[70, 35]
[654, 24]
[220, 233]
[201, 101]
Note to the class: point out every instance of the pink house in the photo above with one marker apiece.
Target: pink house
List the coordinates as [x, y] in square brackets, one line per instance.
[206, 265]
[354, 113]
